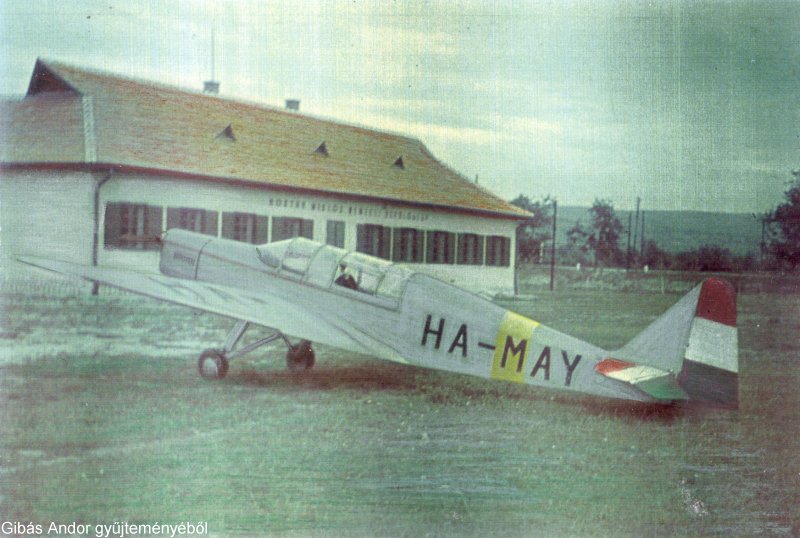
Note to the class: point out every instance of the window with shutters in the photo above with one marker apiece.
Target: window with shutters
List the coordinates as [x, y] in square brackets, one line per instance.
[132, 226]
[441, 247]
[470, 249]
[408, 245]
[498, 251]
[335, 233]
[288, 227]
[245, 227]
[374, 240]
[189, 218]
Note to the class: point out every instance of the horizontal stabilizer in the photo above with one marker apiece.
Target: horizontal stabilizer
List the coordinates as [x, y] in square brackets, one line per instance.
[655, 383]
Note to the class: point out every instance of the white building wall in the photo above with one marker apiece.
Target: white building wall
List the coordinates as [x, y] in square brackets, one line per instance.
[221, 197]
[45, 213]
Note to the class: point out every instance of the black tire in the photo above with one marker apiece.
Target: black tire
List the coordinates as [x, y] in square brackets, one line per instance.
[300, 357]
[212, 364]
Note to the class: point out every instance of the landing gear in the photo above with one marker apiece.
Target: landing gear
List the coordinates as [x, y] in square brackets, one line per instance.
[213, 363]
[300, 357]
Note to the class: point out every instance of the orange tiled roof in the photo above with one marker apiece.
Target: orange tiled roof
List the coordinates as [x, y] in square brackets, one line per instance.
[153, 126]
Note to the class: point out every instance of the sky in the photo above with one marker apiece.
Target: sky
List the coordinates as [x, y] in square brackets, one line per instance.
[689, 105]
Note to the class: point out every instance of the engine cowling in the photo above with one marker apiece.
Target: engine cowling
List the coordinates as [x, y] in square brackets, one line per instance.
[180, 253]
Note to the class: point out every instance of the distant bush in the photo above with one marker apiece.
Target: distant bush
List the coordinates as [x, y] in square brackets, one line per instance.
[710, 258]
[706, 258]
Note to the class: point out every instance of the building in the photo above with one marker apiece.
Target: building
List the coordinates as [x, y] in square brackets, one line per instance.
[94, 164]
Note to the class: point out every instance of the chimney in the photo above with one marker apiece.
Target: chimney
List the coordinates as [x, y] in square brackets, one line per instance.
[211, 86]
[293, 104]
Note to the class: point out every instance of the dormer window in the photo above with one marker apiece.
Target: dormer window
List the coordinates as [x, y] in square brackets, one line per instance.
[227, 133]
[322, 150]
[399, 163]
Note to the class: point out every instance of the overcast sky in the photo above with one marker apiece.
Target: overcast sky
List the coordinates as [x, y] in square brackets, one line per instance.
[689, 105]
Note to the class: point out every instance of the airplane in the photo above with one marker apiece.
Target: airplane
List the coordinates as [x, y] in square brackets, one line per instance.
[368, 305]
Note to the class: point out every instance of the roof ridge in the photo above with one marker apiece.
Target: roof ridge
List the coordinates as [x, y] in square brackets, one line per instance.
[56, 65]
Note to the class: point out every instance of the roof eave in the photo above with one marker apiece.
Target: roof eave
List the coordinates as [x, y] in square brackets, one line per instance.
[132, 169]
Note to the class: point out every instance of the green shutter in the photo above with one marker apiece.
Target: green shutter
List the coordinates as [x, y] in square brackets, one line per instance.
[463, 254]
[491, 250]
[228, 221]
[335, 233]
[470, 253]
[173, 217]
[306, 228]
[276, 226]
[451, 248]
[398, 234]
[209, 226]
[261, 233]
[112, 225]
[153, 216]
[153, 220]
[361, 237]
[385, 244]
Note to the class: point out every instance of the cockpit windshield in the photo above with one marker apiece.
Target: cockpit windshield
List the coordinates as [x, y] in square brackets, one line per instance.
[325, 266]
[372, 276]
[272, 254]
[292, 257]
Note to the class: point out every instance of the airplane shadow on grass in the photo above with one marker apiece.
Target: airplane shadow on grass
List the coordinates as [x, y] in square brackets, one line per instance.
[450, 389]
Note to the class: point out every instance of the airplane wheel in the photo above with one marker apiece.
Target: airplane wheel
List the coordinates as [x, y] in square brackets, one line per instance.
[300, 357]
[212, 364]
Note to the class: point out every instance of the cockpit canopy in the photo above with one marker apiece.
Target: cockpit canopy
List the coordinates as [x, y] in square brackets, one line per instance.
[328, 266]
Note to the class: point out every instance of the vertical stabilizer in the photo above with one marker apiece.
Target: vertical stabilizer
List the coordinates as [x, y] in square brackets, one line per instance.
[710, 371]
[689, 353]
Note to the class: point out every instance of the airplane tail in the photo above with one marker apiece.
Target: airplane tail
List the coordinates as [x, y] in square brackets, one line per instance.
[689, 353]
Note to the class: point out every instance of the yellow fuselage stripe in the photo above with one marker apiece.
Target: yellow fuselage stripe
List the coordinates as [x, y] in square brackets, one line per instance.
[512, 347]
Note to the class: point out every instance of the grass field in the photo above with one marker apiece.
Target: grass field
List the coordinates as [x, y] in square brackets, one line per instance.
[103, 418]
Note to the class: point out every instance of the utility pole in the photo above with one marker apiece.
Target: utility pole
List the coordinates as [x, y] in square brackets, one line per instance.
[636, 226]
[553, 246]
[641, 248]
[628, 251]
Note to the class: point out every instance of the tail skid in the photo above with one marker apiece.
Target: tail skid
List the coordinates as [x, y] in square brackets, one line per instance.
[689, 353]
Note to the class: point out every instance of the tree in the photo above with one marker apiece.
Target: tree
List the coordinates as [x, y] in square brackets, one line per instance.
[784, 226]
[576, 249]
[604, 238]
[654, 257]
[534, 231]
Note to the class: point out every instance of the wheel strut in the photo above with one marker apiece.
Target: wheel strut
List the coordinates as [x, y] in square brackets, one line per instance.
[213, 363]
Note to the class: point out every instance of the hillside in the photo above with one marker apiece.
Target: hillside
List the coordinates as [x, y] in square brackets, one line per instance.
[677, 231]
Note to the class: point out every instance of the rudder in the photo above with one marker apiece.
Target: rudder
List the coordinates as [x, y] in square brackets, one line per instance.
[710, 370]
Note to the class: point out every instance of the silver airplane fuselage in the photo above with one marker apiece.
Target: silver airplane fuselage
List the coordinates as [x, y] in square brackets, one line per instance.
[396, 313]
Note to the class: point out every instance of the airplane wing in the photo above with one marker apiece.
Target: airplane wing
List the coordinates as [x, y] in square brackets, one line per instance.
[290, 318]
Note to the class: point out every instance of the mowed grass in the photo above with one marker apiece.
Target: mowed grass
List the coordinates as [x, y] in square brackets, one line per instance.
[103, 418]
